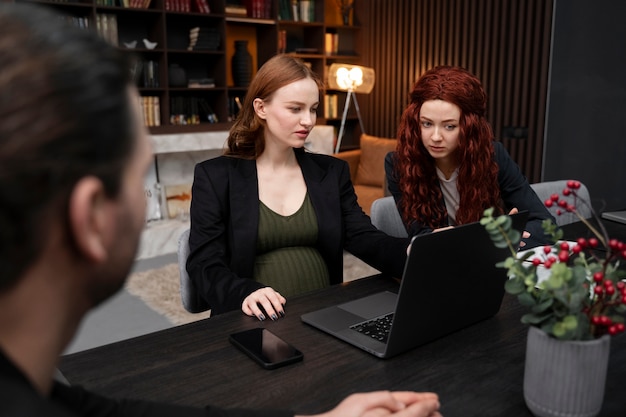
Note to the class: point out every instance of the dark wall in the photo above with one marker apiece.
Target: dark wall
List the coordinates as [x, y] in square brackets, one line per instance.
[586, 118]
[506, 43]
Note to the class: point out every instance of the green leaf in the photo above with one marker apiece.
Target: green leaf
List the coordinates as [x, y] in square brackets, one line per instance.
[570, 322]
[515, 286]
[526, 299]
[543, 306]
[534, 319]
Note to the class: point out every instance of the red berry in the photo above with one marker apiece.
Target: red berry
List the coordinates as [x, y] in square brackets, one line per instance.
[610, 290]
[620, 246]
[547, 249]
[574, 184]
[598, 290]
[598, 276]
[548, 203]
[547, 263]
[564, 246]
[577, 249]
[613, 244]
[620, 327]
[564, 256]
[621, 285]
[593, 242]
[608, 283]
[571, 208]
[559, 212]
[613, 330]
[624, 254]
[562, 203]
[566, 192]
[554, 197]
[605, 321]
[624, 299]
[582, 242]
[536, 262]
[595, 320]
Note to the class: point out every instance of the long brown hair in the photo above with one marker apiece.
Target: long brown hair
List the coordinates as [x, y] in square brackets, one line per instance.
[247, 136]
[415, 169]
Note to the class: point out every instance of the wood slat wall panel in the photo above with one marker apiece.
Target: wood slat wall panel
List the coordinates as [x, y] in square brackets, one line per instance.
[506, 43]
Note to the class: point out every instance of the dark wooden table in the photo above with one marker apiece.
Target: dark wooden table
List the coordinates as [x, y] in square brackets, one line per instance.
[477, 371]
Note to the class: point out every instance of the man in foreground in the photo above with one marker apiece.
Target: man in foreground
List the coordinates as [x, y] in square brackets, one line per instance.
[73, 154]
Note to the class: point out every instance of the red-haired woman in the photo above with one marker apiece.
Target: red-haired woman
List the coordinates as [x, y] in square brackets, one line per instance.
[447, 169]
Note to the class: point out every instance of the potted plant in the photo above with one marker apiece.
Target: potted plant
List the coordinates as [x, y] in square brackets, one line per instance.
[576, 298]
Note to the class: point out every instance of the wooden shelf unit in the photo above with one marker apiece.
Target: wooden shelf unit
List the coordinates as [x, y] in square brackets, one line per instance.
[170, 30]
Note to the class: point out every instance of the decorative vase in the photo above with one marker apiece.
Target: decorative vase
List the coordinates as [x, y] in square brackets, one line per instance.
[565, 378]
[241, 64]
[345, 17]
[177, 76]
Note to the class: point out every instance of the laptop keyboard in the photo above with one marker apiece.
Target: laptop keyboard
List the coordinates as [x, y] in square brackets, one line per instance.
[377, 328]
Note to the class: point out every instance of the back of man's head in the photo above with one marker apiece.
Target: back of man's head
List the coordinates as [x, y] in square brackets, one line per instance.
[64, 114]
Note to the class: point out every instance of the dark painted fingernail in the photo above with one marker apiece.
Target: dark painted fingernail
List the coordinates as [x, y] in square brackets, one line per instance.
[282, 313]
[261, 317]
[274, 317]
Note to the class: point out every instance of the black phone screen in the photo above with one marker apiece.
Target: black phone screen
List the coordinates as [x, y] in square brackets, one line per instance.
[269, 350]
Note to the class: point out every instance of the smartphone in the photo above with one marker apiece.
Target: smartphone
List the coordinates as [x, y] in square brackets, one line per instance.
[267, 349]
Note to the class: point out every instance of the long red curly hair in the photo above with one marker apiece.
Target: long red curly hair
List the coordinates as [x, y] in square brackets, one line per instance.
[415, 169]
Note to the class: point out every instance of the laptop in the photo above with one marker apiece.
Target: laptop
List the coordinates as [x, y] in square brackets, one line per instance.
[616, 216]
[450, 282]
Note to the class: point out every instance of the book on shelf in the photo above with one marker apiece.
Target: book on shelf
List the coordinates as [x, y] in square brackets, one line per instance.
[79, 22]
[331, 43]
[204, 39]
[297, 10]
[151, 110]
[259, 9]
[236, 9]
[138, 4]
[201, 6]
[331, 106]
[201, 83]
[190, 111]
[178, 5]
[106, 26]
[147, 72]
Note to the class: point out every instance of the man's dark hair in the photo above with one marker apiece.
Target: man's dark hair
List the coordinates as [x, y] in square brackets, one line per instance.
[64, 114]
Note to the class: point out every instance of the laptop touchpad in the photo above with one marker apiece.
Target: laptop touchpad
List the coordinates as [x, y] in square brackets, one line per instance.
[372, 306]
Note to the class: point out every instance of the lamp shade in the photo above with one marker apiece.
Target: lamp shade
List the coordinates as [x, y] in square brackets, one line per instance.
[353, 78]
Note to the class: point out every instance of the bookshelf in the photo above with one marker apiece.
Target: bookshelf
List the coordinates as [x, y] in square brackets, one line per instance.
[159, 32]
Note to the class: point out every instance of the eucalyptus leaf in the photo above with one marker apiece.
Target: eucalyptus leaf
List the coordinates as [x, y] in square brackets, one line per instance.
[515, 286]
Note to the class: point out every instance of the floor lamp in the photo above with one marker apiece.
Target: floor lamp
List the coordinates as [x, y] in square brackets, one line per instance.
[352, 79]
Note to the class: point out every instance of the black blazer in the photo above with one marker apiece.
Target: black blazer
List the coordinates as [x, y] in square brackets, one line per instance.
[515, 191]
[225, 218]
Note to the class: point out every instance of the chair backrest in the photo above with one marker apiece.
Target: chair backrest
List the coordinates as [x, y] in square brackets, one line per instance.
[385, 217]
[192, 301]
[583, 204]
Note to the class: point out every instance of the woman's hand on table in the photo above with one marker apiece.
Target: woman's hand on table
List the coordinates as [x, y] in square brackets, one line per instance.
[267, 298]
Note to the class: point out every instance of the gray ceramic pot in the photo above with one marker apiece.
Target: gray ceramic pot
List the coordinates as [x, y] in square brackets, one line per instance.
[565, 378]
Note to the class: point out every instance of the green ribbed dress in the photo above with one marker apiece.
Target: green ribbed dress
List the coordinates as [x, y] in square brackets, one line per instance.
[287, 259]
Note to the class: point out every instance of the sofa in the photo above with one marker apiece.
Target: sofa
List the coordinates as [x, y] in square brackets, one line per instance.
[367, 168]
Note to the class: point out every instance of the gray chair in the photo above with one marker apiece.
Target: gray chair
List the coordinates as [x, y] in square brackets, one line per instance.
[192, 301]
[583, 204]
[385, 217]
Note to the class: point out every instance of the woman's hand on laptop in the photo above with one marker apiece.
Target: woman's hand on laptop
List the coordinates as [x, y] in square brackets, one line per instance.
[526, 234]
[387, 403]
[267, 298]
